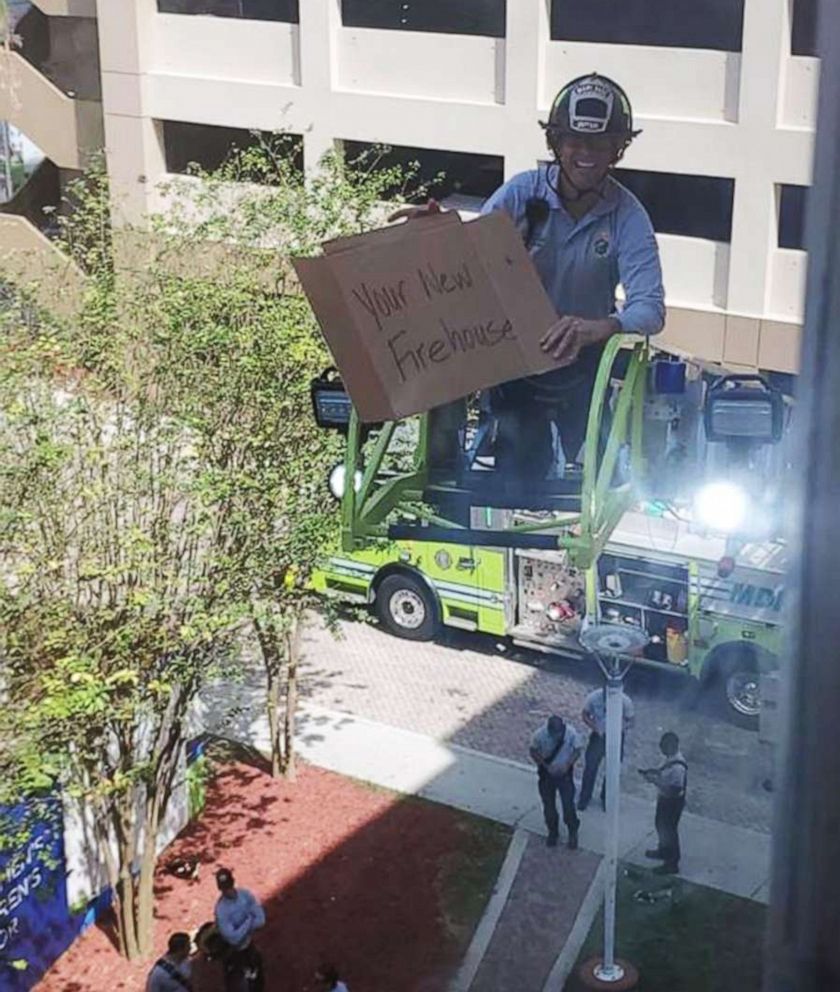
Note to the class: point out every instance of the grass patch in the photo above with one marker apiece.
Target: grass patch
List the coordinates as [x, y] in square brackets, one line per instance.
[693, 939]
[467, 875]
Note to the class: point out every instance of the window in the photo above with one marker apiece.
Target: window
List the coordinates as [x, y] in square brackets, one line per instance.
[803, 39]
[467, 174]
[791, 222]
[257, 10]
[692, 206]
[209, 146]
[714, 24]
[485, 17]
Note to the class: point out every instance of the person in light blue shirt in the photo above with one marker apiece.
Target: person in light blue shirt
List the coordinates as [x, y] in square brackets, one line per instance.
[238, 915]
[586, 234]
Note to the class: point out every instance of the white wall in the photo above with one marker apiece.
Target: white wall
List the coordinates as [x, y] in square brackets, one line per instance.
[747, 116]
[86, 874]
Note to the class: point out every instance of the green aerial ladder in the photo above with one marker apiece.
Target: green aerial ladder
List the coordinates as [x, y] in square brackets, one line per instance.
[576, 514]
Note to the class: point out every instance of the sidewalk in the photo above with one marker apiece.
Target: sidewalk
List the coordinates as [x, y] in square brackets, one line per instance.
[715, 854]
[544, 901]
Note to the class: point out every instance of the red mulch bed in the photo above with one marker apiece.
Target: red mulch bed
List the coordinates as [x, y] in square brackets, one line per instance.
[346, 873]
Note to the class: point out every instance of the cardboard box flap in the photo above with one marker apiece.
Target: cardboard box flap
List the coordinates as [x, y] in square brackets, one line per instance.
[421, 314]
[394, 232]
[354, 363]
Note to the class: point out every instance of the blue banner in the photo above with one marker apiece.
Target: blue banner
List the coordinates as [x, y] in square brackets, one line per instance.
[36, 925]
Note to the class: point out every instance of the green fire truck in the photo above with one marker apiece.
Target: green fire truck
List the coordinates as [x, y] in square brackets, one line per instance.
[721, 625]
[608, 543]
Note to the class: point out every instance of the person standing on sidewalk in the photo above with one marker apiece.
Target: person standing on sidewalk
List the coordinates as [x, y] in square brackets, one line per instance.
[671, 780]
[238, 915]
[555, 747]
[594, 715]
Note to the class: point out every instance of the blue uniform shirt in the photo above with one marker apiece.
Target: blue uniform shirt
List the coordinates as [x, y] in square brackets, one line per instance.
[581, 262]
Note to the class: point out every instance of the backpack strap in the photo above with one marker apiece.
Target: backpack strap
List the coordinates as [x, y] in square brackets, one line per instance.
[173, 973]
[547, 761]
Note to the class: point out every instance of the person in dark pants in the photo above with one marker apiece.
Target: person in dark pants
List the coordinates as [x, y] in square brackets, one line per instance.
[555, 747]
[670, 779]
[594, 715]
[238, 915]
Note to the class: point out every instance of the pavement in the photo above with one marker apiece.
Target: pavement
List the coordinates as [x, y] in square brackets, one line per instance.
[545, 900]
[487, 694]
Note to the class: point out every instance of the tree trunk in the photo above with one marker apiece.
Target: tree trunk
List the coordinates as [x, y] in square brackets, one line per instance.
[274, 724]
[123, 819]
[270, 648]
[124, 910]
[145, 881]
[293, 647]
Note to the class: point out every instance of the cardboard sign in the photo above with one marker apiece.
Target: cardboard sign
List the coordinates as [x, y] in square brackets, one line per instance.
[425, 312]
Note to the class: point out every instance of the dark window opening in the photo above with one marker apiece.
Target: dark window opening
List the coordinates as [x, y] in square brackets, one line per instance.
[254, 10]
[210, 147]
[714, 24]
[691, 206]
[803, 40]
[444, 172]
[485, 17]
[791, 224]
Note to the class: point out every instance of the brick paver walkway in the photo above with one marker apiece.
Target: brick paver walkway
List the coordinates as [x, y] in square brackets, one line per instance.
[474, 692]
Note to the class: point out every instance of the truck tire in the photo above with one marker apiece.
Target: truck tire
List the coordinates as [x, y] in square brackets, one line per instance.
[737, 687]
[406, 607]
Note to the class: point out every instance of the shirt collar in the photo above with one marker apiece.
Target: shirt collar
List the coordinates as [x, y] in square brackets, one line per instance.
[606, 204]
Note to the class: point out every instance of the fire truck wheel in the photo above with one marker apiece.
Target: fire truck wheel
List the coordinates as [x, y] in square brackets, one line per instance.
[738, 689]
[407, 608]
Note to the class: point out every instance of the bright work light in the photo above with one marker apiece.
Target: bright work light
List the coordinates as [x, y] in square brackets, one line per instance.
[721, 506]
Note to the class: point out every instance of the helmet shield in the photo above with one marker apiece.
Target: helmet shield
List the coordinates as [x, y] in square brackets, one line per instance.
[591, 104]
[590, 107]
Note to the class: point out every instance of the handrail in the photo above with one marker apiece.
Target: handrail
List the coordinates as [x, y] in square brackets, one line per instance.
[583, 534]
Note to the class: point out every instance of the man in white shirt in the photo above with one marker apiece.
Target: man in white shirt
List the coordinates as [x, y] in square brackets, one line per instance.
[594, 715]
[555, 747]
[671, 780]
[171, 973]
[238, 915]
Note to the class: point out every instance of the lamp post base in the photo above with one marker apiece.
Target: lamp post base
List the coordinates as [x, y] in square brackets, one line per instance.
[593, 976]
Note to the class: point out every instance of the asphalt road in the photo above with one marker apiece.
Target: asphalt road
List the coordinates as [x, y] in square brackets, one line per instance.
[487, 694]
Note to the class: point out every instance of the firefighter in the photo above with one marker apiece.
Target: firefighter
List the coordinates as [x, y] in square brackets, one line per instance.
[586, 235]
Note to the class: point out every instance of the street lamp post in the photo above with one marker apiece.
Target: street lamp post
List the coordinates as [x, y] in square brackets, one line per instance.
[614, 647]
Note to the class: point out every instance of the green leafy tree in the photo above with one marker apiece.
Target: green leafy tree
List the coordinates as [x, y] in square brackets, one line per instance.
[262, 351]
[162, 490]
[112, 607]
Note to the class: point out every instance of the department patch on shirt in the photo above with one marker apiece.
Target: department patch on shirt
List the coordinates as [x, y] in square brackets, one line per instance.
[601, 245]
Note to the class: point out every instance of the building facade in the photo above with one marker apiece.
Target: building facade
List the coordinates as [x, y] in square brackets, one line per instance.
[724, 90]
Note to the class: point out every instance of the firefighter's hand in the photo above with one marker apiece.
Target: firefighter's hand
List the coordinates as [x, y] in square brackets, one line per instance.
[416, 213]
[565, 339]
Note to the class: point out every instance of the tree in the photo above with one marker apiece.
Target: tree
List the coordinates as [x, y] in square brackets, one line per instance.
[262, 351]
[112, 605]
[162, 486]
